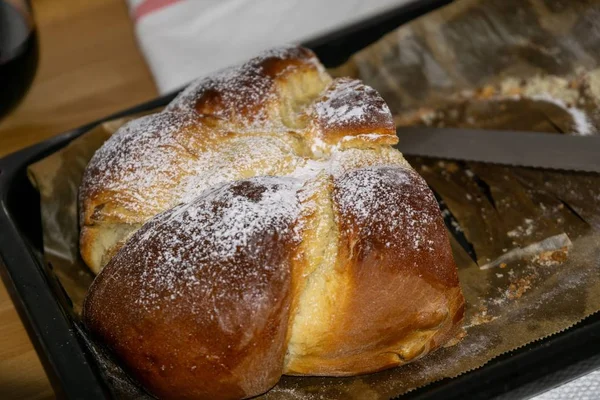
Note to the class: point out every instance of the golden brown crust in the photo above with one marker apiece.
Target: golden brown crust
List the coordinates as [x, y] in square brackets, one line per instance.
[238, 123]
[397, 295]
[193, 315]
[253, 97]
[261, 118]
[352, 114]
[262, 225]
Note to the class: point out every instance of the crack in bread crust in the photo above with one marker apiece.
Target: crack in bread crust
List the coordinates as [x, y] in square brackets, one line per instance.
[317, 283]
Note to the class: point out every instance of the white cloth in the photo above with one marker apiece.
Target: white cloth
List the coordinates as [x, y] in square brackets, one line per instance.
[183, 40]
[585, 388]
[186, 39]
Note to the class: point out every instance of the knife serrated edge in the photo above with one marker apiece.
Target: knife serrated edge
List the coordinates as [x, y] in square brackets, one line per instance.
[513, 148]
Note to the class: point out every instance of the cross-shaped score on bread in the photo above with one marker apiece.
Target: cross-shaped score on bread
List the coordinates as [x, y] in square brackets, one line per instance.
[262, 225]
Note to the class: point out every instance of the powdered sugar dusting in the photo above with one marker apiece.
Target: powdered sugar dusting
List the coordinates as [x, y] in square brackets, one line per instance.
[583, 126]
[341, 161]
[189, 245]
[145, 179]
[367, 136]
[233, 98]
[236, 183]
[148, 169]
[245, 96]
[227, 127]
[135, 166]
[378, 199]
[350, 102]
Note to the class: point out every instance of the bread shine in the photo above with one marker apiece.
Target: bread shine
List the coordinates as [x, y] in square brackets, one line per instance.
[262, 225]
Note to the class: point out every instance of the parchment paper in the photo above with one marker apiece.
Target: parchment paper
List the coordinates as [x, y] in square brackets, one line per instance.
[535, 235]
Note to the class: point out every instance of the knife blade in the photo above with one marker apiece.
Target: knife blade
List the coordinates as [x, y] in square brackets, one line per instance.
[514, 148]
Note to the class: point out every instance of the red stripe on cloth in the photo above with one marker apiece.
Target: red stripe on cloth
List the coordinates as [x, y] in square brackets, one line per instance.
[149, 6]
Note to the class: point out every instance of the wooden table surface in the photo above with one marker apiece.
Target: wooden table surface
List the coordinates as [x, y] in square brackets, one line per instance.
[89, 67]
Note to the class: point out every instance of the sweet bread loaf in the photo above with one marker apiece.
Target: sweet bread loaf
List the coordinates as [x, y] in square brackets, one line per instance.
[262, 225]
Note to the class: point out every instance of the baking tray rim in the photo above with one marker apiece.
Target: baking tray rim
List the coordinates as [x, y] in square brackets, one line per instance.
[17, 256]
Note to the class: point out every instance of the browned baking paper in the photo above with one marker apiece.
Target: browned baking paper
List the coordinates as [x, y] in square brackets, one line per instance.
[513, 64]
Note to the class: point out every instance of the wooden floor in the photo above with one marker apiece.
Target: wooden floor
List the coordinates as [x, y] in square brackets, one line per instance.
[89, 67]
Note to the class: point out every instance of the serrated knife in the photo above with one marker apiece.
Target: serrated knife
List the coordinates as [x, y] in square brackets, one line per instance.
[513, 148]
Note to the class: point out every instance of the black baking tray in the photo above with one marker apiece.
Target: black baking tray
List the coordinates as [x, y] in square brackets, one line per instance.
[46, 312]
